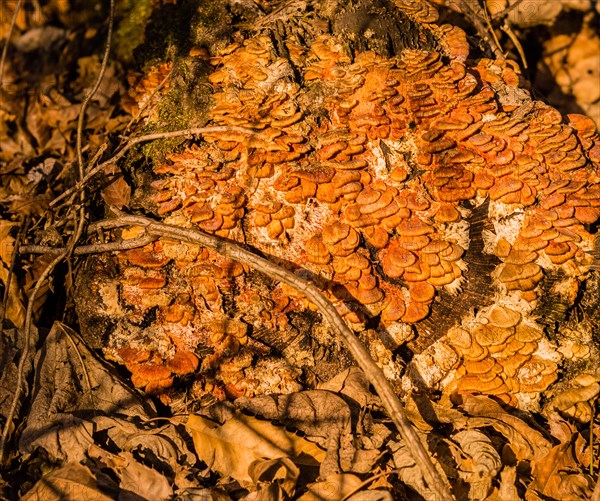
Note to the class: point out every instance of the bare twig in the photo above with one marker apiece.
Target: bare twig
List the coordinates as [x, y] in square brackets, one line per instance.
[196, 131]
[7, 42]
[591, 437]
[474, 13]
[93, 91]
[80, 121]
[486, 15]
[81, 250]
[511, 34]
[361, 486]
[234, 251]
[79, 357]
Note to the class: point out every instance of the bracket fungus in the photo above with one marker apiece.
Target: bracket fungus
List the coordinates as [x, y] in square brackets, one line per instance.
[405, 185]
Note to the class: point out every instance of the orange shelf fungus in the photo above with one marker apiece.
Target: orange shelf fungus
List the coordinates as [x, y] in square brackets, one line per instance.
[411, 189]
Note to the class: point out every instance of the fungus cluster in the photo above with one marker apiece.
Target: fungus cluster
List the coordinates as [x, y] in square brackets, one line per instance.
[363, 171]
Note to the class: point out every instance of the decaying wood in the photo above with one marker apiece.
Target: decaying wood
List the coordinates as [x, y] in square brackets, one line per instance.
[376, 377]
[309, 167]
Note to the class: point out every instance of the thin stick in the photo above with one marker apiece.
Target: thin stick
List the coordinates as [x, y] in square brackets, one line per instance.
[79, 357]
[591, 437]
[234, 251]
[80, 121]
[474, 15]
[486, 15]
[82, 250]
[92, 92]
[196, 131]
[13, 21]
[64, 254]
[508, 30]
[368, 481]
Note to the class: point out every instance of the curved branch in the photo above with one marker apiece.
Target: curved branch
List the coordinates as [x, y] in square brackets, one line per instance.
[384, 389]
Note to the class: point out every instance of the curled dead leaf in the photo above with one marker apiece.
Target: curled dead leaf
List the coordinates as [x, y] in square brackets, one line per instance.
[231, 448]
[72, 481]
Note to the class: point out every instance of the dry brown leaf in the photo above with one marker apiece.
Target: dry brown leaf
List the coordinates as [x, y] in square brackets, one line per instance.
[333, 488]
[576, 402]
[327, 419]
[15, 311]
[508, 479]
[72, 481]
[558, 475]
[36, 270]
[352, 383]
[6, 242]
[201, 494]
[76, 396]
[572, 60]
[232, 447]
[408, 471]
[134, 477]
[478, 462]
[276, 479]
[117, 194]
[526, 442]
[11, 347]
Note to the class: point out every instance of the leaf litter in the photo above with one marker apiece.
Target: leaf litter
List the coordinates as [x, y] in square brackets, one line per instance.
[84, 433]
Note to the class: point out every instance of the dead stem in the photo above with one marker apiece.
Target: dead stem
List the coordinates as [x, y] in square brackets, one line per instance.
[80, 121]
[232, 250]
[81, 250]
[474, 13]
[362, 485]
[508, 30]
[7, 41]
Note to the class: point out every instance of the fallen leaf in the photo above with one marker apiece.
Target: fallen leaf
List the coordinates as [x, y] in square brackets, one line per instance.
[333, 488]
[117, 194]
[478, 462]
[371, 495]
[11, 346]
[72, 481]
[352, 383]
[327, 419]
[76, 397]
[526, 442]
[558, 475]
[274, 475]
[14, 311]
[408, 471]
[134, 478]
[232, 447]
[201, 494]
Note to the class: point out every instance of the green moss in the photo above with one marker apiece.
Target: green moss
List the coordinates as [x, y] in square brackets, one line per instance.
[185, 105]
[132, 15]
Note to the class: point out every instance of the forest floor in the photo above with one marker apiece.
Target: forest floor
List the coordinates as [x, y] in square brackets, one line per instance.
[73, 425]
